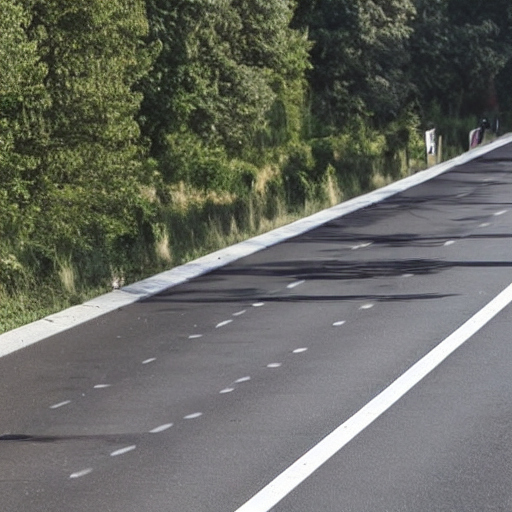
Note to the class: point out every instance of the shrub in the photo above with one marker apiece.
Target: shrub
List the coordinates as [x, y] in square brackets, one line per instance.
[12, 273]
[298, 174]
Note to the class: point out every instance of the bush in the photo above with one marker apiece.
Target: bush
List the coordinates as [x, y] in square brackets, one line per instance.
[323, 154]
[12, 273]
[298, 173]
[242, 177]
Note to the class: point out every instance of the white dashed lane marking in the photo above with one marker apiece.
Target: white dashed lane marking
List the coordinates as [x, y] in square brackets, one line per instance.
[258, 304]
[81, 473]
[193, 416]
[60, 404]
[161, 428]
[295, 284]
[238, 313]
[449, 242]
[484, 225]
[361, 246]
[102, 386]
[502, 212]
[124, 450]
[242, 379]
[341, 322]
[367, 306]
[195, 336]
[150, 360]
[274, 365]
[300, 350]
[226, 390]
[222, 324]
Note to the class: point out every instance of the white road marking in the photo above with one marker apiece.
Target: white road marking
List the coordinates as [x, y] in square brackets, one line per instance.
[222, 324]
[193, 416]
[102, 386]
[407, 275]
[60, 404]
[341, 322]
[367, 306]
[238, 313]
[361, 246]
[195, 336]
[258, 304]
[161, 428]
[80, 474]
[502, 212]
[274, 365]
[226, 390]
[150, 360]
[242, 379]
[291, 286]
[124, 450]
[484, 225]
[449, 242]
[300, 350]
[306, 465]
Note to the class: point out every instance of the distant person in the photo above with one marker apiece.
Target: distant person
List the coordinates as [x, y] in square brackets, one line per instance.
[484, 125]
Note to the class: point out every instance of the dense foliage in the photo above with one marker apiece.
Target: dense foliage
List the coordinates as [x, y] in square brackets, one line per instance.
[120, 120]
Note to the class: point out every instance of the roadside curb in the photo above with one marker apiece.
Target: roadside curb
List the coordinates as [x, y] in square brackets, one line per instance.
[34, 332]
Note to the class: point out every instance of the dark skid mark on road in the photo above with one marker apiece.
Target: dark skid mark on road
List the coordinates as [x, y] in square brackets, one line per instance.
[29, 438]
[335, 269]
[409, 240]
[492, 159]
[331, 234]
[377, 298]
[200, 297]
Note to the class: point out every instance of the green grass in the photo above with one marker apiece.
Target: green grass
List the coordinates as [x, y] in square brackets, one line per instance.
[197, 227]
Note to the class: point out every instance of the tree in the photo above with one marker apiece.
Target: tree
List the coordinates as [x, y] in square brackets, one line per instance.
[22, 101]
[458, 49]
[267, 41]
[359, 58]
[197, 84]
[95, 54]
[385, 29]
[222, 67]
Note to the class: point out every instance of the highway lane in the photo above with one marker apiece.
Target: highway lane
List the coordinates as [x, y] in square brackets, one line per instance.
[446, 446]
[197, 398]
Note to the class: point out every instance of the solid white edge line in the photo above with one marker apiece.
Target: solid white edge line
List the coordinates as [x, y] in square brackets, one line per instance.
[34, 332]
[306, 465]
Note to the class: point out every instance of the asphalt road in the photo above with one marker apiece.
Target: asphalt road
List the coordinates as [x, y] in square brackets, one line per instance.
[196, 399]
